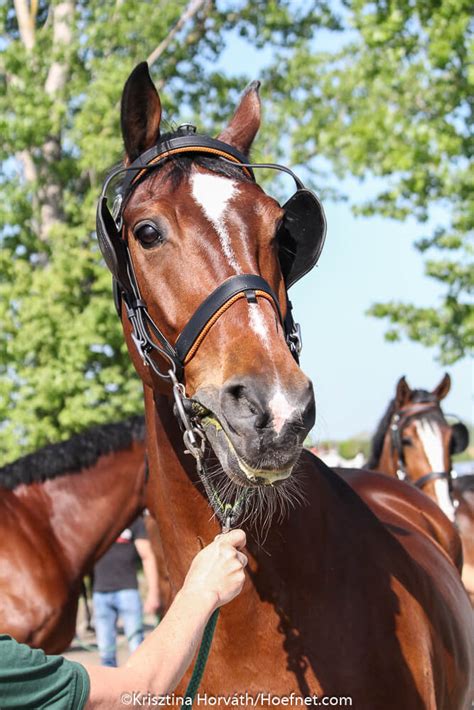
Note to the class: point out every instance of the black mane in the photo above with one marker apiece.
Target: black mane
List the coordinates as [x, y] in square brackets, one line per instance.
[379, 436]
[71, 456]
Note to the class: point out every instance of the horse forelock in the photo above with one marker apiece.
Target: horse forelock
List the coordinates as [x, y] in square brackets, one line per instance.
[178, 167]
[419, 396]
[72, 456]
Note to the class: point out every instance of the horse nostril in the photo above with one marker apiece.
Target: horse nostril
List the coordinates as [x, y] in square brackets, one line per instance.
[235, 391]
[244, 404]
[261, 419]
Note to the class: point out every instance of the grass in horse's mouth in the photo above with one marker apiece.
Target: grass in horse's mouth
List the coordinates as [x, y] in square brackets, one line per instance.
[253, 476]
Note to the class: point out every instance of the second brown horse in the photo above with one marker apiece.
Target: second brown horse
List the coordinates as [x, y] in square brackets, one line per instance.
[60, 509]
[415, 442]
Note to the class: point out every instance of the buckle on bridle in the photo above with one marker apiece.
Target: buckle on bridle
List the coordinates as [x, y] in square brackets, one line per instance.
[193, 435]
[294, 340]
[142, 347]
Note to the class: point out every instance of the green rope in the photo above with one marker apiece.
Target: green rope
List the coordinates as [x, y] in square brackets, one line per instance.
[201, 661]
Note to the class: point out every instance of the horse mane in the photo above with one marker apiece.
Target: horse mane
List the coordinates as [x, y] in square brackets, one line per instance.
[71, 456]
[379, 436]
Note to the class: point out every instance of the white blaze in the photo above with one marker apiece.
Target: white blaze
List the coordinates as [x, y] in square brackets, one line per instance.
[257, 323]
[213, 194]
[444, 499]
[432, 440]
[280, 409]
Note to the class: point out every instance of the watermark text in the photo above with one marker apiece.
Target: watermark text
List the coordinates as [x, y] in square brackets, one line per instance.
[260, 699]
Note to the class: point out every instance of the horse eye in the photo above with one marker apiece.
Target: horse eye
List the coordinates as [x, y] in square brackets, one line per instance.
[147, 234]
[406, 441]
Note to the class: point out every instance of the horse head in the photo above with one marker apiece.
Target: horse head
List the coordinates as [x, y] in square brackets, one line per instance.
[422, 441]
[193, 231]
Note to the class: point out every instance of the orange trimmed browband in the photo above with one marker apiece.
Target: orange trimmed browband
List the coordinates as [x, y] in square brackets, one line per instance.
[217, 315]
[194, 149]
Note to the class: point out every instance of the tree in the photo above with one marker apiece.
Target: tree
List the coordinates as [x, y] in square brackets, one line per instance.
[395, 102]
[63, 364]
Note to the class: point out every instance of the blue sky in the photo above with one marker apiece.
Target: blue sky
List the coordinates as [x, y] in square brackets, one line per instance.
[353, 368]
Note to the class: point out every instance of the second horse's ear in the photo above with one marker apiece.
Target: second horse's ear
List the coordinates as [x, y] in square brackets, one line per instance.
[140, 113]
[403, 393]
[443, 388]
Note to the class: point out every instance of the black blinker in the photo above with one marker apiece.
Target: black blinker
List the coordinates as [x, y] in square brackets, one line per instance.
[459, 438]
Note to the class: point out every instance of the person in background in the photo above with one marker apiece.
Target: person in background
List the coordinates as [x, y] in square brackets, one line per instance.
[30, 679]
[116, 594]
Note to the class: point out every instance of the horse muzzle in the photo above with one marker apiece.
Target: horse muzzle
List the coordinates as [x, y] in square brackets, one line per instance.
[257, 432]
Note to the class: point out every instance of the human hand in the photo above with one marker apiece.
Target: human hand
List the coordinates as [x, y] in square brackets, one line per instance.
[151, 604]
[218, 569]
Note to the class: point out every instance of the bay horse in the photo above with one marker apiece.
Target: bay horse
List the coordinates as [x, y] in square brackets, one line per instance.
[352, 586]
[61, 508]
[415, 442]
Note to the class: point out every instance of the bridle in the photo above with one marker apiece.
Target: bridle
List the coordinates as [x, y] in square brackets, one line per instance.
[399, 421]
[147, 337]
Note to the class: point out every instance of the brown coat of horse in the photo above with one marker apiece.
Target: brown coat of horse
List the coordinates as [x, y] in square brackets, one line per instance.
[355, 593]
[463, 493]
[56, 520]
[457, 504]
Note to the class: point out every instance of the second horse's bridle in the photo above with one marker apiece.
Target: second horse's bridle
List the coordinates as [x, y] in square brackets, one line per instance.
[399, 421]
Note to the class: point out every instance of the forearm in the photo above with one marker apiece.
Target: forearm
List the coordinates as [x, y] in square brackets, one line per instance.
[165, 655]
[161, 660]
[215, 577]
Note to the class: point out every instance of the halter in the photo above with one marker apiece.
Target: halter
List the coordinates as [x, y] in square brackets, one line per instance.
[148, 338]
[399, 421]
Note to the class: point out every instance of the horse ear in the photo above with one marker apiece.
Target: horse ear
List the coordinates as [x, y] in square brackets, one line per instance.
[140, 112]
[443, 388]
[403, 392]
[245, 122]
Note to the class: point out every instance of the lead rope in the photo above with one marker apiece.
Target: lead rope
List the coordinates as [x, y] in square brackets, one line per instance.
[204, 649]
[195, 443]
[201, 661]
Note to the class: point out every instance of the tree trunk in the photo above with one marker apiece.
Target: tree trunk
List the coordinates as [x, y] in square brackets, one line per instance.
[50, 191]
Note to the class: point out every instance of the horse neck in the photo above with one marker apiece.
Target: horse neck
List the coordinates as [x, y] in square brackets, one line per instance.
[86, 511]
[173, 493]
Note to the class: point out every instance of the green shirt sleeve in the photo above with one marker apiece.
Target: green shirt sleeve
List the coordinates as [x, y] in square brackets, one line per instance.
[31, 680]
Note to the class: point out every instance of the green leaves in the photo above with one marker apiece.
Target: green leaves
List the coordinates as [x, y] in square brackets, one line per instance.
[395, 102]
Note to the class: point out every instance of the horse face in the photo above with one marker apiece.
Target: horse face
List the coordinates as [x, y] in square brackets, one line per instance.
[426, 446]
[427, 440]
[189, 228]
